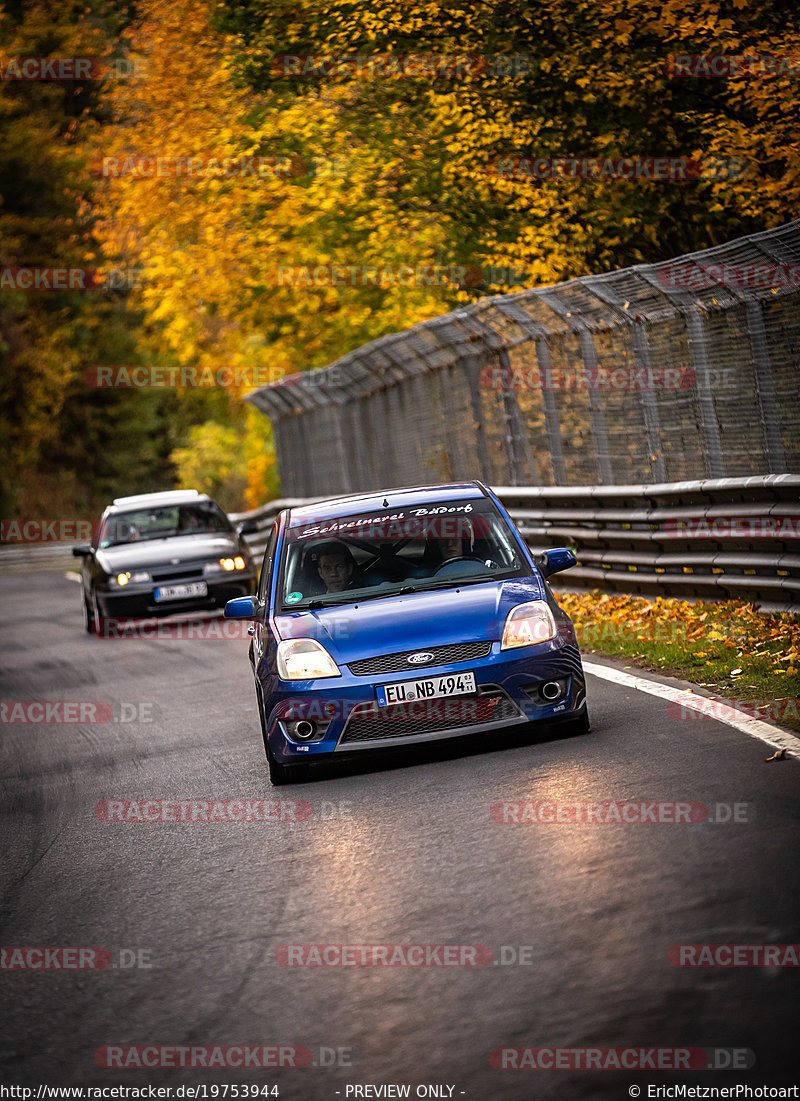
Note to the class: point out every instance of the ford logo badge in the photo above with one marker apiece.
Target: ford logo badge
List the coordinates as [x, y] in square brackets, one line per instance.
[420, 659]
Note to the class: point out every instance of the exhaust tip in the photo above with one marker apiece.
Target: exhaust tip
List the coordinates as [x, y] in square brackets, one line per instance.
[551, 690]
[304, 729]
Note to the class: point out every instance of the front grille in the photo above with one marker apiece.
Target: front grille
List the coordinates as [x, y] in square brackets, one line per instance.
[442, 655]
[368, 722]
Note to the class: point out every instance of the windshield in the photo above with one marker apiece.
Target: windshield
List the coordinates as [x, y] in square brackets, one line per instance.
[365, 556]
[164, 522]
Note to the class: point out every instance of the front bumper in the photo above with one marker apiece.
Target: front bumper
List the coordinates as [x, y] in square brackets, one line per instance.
[141, 604]
[347, 719]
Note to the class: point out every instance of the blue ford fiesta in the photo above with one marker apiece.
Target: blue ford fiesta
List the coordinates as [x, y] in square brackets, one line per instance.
[388, 619]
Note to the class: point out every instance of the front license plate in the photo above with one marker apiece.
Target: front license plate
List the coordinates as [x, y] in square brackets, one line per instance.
[457, 684]
[181, 592]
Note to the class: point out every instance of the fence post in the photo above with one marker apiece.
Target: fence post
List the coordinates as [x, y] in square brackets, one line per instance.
[605, 474]
[697, 346]
[641, 354]
[473, 371]
[551, 421]
[765, 388]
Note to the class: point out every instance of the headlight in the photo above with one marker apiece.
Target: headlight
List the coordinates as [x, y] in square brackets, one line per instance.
[227, 564]
[122, 579]
[305, 659]
[528, 624]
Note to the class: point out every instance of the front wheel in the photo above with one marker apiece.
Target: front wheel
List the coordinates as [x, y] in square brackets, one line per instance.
[578, 725]
[91, 614]
[278, 774]
[285, 774]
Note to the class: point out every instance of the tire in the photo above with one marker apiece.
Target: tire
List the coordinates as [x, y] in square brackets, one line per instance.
[577, 725]
[278, 774]
[285, 774]
[91, 615]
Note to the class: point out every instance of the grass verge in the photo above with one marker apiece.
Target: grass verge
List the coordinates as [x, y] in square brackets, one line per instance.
[737, 653]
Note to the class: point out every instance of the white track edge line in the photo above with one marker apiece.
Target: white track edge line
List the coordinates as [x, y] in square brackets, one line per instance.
[739, 720]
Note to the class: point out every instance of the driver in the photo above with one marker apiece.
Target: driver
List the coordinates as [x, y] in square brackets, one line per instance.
[459, 545]
[451, 548]
[336, 567]
[189, 519]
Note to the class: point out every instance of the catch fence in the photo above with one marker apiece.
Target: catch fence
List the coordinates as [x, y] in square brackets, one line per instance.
[686, 369]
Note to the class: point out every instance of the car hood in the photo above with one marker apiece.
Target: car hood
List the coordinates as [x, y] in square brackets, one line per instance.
[415, 621]
[161, 552]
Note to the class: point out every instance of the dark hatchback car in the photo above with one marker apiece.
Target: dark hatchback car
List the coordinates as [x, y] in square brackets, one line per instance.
[161, 554]
[389, 619]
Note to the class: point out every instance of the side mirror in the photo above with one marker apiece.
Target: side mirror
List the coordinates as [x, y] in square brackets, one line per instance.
[81, 550]
[247, 527]
[241, 607]
[553, 561]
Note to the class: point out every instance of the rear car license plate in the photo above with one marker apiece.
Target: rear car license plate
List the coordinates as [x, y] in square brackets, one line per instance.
[181, 592]
[457, 684]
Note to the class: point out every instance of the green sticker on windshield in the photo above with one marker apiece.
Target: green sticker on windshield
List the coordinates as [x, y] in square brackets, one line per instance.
[292, 598]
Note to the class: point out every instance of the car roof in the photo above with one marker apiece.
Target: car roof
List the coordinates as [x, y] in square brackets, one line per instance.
[385, 500]
[169, 497]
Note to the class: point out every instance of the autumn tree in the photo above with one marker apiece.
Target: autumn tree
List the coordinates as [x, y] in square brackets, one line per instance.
[599, 83]
[67, 446]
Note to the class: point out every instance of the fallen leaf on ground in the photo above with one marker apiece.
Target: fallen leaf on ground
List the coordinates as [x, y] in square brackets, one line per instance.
[779, 755]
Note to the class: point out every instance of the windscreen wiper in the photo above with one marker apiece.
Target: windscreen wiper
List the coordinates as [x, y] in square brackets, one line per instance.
[459, 582]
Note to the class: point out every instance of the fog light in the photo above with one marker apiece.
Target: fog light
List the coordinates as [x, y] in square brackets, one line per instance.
[547, 692]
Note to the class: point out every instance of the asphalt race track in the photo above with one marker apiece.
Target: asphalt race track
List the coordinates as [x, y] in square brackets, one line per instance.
[200, 920]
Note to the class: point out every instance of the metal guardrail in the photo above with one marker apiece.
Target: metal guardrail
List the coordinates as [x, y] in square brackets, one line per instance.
[35, 556]
[713, 539]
